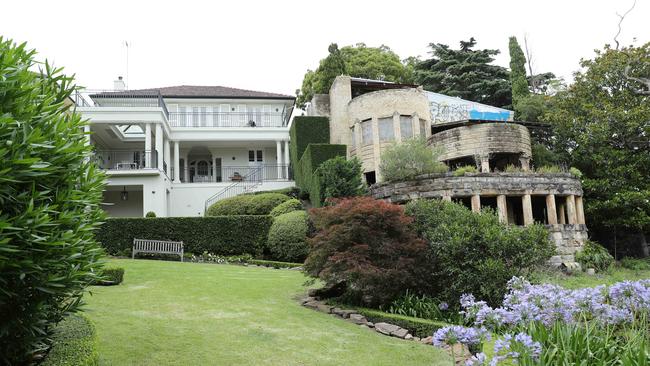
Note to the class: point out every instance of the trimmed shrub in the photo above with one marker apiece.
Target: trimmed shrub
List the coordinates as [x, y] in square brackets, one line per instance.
[594, 255]
[50, 191]
[222, 235]
[293, 192]
[461, 170]
[307, 130]
[286, 207]
[258, 204]
[288, 237]
[408, 159]
[274, 264]
[366, 246]
[418, 327]
[74, 343]
[339, 177]
[150, 214]
[472, 253]
[314, 156]
[112, 276]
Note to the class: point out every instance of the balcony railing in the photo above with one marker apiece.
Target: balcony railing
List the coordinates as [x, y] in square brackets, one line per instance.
[111, 98]
[126, 159]
[259, 173]
[227, 119]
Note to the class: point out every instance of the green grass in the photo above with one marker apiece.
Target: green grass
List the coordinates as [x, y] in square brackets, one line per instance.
[581, 279]
[172, 313]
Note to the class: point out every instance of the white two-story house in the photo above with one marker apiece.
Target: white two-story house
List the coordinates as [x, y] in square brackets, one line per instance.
[176, 150]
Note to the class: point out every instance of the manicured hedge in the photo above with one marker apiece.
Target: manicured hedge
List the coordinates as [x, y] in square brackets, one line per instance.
[74, 344]
[314, 156]
[307, 130]
[286, 207]
[258, 204]
[112, 276]
[288, 237]
[221, 235]
[274, 264]
[416, 326]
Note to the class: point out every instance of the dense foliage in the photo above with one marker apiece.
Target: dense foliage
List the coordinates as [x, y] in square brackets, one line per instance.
[112, 276]
[466, 73]
[286, 207]
[367, 246]
[475, 253]
[307, 130]
[600, 125]
[74, 343]
[418, 327]
[518, 79]
[287, 240]
[409, 159]
[258, 204]
[378, 63]
[49, 204]
[339, 177]
[593, 255]
[223, 235]
[307, 169]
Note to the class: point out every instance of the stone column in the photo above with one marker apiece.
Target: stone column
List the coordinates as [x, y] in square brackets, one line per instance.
[286, 159]
[571, 209]
[527, 206]
[502, 208]
[214, 167]
[376, 150]
[560, 212]
[177, 162]
[485, 163]
[476, 203]
[167, 157]
[525, 163]
[580, 210]
[446, 198]
[159, 145]
[278, 157]
[147, 145]
[551, 211]
[186, 172]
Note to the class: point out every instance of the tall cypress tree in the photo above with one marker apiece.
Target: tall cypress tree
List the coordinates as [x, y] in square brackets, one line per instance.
[517, 72]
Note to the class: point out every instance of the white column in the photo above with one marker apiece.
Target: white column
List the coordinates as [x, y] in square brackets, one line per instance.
[214, 168]
[167, 157]
[87, 132]
[186, 172]
[279, 157]
[147, 144]
[177, 162]
[159, 145]
[286, 159]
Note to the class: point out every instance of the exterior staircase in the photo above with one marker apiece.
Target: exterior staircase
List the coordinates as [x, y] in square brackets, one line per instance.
[247, 184]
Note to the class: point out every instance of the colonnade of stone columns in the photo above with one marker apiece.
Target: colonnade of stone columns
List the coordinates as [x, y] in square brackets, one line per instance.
[571, 211]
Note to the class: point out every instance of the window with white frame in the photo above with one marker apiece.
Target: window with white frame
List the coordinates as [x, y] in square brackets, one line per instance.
[406, 127]
[366, 132]
[386, 129]
[255, 155]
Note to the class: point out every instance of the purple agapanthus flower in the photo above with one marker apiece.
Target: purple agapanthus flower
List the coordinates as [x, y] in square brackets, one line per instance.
[458, 334]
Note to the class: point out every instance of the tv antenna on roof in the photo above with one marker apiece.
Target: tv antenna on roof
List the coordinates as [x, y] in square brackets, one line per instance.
[126, 43]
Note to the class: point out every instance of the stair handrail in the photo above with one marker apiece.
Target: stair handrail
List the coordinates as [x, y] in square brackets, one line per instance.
[245, 183]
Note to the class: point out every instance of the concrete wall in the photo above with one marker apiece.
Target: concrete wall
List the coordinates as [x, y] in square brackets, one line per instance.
[115, 207]
[483, 139]
[155, 190]
[339, 96]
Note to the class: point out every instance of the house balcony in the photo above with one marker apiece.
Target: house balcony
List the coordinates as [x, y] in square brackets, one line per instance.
[233, 174]
[227, 119]
[127, 162]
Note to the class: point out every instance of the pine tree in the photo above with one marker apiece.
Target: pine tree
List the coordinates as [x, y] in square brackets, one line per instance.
[517, 72]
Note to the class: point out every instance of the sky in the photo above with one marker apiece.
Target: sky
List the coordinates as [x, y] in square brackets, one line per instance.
[268, 45]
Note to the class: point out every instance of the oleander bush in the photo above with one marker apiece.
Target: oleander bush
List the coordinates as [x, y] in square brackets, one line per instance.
[286, 207]
[74, 343]
[408, 159]
[594, 255]
[474, 253]
[287, 240]
[367, 248]
[221, 235]
[112, 276]
[254, 204]
[50, 191]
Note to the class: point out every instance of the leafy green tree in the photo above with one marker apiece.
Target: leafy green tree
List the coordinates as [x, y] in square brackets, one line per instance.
[339, 178]
[50, 191]
[518, 80]
[409, 159]
[600, 126]
[379, 63]
[466, 73]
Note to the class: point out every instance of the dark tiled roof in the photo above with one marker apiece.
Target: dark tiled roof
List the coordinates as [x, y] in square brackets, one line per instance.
[199, 91]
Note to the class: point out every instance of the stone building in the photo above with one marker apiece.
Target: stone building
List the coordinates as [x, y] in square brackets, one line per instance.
[369, 115]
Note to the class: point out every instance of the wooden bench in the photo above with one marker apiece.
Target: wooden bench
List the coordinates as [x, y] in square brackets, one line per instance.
[157, 247]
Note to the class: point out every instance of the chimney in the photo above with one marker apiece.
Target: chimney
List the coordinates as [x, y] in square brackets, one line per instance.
[118, 84]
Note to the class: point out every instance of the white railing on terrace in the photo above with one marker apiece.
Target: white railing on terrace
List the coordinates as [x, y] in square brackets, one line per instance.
[227, 119]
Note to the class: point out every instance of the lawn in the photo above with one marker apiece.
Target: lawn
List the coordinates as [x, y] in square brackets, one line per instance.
[581, 279]
[172, 313]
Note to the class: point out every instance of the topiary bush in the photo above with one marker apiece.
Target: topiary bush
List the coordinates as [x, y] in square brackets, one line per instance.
[594, 255]
[408, 159]
[50, 191]
[288, 237]
[112, 276]
[339, 177]
[473, 253]
[257, 204]
[150, 214]
[367, 247]
[286, 207]
[74, 343]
